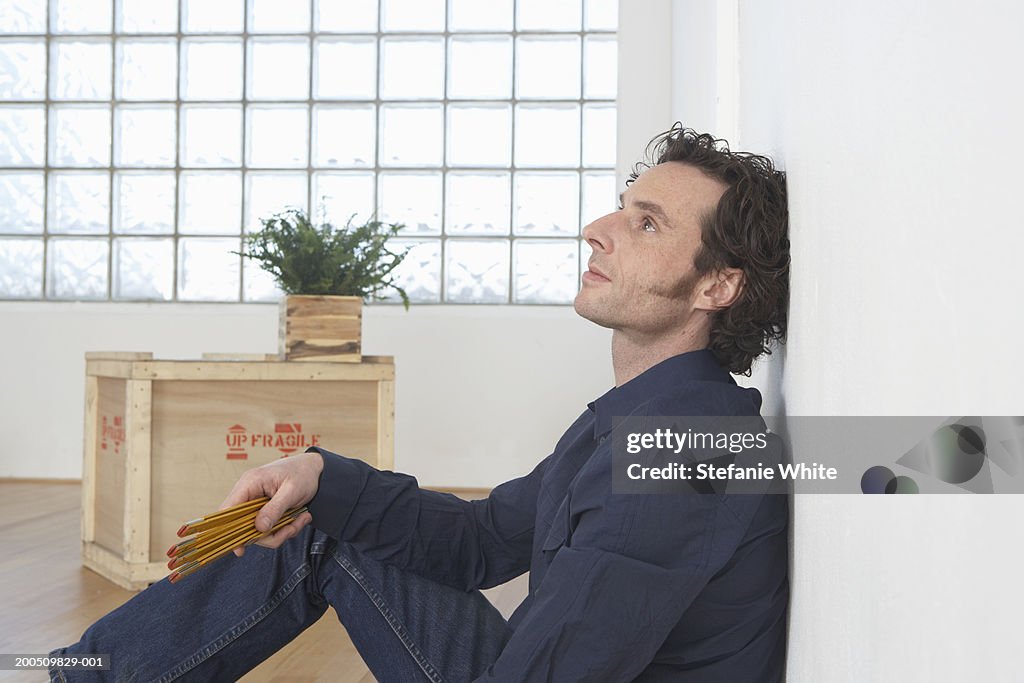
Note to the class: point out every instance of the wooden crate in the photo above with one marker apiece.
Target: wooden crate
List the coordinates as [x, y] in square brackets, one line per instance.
[166, 440]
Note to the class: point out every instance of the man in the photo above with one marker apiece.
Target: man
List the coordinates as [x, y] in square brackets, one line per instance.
[691, 274]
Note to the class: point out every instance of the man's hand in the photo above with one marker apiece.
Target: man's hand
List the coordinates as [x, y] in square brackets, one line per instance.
[290, 482]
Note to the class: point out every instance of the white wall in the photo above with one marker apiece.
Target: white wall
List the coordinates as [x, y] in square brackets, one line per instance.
[645, 69]
[899, 126]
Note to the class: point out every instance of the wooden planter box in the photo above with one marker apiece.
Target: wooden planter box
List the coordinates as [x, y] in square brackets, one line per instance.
[321, 328]
[166, 440]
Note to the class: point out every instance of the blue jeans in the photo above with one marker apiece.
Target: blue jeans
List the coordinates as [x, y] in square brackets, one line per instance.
[221, 622]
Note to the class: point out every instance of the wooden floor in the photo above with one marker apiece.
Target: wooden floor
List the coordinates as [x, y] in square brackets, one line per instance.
[47, 599]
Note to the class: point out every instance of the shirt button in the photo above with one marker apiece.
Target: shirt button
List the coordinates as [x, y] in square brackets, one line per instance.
[602, 439]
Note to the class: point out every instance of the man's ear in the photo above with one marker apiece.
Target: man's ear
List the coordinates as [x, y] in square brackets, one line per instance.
[721, 289]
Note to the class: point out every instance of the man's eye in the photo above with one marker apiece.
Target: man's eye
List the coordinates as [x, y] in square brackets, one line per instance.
[648, 226]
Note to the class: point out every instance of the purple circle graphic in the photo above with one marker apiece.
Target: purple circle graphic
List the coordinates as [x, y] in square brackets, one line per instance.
[878, 479]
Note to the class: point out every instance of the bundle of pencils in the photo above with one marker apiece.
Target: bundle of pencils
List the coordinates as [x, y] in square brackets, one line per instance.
[220, 533]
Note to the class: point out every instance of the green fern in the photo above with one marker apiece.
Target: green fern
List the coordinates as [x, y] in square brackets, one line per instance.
[323, 259]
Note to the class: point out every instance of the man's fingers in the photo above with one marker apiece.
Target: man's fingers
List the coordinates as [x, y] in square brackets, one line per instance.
[281, 535]
[232, 499]
[272, 511]
[244, 490]
[275, 539]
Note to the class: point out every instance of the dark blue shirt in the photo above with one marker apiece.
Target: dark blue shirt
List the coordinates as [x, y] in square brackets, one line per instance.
[623, 587]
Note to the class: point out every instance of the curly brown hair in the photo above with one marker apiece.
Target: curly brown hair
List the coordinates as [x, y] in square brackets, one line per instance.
[749, 230]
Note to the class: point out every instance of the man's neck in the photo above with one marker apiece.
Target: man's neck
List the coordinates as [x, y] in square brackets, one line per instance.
[633, 353]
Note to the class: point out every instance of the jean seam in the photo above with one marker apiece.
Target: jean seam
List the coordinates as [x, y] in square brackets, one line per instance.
[234, 633]
[55, 673]
[403, 634]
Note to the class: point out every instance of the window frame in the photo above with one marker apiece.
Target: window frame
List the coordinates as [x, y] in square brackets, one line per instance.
[246, 104]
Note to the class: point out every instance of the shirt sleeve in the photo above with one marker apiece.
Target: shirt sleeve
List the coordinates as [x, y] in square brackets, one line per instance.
[466, 544]
[617, 586]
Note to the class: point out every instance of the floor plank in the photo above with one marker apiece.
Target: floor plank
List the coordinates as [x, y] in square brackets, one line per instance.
[47, 599]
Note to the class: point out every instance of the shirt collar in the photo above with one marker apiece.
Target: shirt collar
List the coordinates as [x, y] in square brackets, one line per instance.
[622, 400]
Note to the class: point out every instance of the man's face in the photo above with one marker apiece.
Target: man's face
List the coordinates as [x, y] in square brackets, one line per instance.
[641, 275]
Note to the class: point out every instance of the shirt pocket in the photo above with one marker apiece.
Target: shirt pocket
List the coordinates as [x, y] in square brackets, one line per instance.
[559, 534]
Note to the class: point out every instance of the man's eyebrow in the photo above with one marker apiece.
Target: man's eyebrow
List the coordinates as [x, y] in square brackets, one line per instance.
[649, 207]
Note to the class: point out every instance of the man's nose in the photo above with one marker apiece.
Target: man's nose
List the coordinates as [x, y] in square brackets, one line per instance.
[598, 234]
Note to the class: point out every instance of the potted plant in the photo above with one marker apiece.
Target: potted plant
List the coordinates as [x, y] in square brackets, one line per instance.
[326, 272]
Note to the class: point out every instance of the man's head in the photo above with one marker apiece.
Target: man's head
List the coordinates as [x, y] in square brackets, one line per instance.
[699, 246]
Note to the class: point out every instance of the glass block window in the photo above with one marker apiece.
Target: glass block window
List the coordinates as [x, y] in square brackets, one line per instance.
[140, 140]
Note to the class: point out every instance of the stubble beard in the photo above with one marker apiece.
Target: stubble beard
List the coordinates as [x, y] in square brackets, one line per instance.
[591, 310]
[611, 312]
